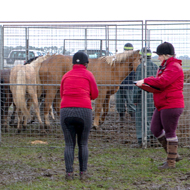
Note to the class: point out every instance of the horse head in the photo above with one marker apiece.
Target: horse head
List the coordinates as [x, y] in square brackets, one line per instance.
[134, 60]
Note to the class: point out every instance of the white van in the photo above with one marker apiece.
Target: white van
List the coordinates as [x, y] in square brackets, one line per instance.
[19, 57]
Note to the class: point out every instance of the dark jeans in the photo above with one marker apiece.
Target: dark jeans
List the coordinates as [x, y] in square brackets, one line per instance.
[167, 120]
[76, 122]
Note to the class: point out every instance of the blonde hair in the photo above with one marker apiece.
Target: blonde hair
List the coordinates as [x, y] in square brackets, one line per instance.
[167, 56]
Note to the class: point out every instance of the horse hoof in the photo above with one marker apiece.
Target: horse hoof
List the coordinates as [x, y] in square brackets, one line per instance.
[101, 122]
[14, 125]
[32, 121]
[6, 130]
[18, 131]
[43, 132]
[97, 128]
[11, 124]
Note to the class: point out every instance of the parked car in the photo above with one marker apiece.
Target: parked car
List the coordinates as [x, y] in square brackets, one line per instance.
[19, 57]
[94, 53]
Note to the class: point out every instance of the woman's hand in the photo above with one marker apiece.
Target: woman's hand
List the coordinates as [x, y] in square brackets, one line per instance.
[140, 82]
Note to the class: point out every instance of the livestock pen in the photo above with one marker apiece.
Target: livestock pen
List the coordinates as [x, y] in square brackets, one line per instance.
[105, 38]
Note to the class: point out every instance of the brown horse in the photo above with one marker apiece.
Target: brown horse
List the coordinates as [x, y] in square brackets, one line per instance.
[26, 74]
[109, 72]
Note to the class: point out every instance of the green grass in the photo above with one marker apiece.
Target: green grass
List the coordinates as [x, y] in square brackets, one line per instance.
[110, 168]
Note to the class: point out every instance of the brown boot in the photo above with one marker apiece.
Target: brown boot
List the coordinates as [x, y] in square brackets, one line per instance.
[163, 142]
[69, 176]
[84, 175]
[172, 154]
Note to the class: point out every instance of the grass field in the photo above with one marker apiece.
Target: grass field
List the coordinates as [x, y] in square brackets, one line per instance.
[111, 168]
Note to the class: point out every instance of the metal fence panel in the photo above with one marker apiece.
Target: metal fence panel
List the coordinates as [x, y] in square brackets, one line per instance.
[104, 38]
[177, 33]
[96, 39]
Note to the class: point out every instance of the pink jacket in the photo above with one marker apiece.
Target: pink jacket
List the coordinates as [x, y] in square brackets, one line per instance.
[170, 81]
[78, 88]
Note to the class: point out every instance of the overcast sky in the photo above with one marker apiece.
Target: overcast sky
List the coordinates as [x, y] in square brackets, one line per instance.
[93, 10]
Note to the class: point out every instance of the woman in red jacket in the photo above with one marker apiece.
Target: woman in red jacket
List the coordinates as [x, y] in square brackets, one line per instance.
[78, 88]
[169, 102]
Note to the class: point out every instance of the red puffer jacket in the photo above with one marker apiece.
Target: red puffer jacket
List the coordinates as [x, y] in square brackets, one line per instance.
[170, 80]
[78, 88]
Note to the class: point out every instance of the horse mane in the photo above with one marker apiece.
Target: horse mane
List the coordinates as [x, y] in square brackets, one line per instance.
[120, 57]
[30, 60]
[39, 60]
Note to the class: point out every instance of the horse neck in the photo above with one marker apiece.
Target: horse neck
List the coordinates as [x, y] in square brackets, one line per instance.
[36, 66]
[122, 70]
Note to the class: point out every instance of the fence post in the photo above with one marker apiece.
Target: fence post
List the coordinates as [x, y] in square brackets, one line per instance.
[1, 66]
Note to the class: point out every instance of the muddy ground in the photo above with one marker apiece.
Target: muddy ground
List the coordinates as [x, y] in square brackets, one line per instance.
[112, 131]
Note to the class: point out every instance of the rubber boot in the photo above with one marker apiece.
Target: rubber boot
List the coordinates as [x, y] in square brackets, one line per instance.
[163, 142]
[171, 157]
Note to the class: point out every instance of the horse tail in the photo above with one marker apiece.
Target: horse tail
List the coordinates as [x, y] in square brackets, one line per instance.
[21, 93]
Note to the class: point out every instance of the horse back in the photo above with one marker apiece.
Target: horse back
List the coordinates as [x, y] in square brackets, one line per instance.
[101, 70]
[53, 69]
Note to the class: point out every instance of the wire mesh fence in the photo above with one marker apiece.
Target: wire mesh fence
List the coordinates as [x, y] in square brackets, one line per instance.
[22, 41]
[177, 33]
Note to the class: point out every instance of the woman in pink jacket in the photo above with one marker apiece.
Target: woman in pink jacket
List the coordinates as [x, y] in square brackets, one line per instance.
[78, 88]
[169, 102]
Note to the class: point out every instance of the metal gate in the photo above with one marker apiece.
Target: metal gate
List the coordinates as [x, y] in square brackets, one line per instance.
[178, 33]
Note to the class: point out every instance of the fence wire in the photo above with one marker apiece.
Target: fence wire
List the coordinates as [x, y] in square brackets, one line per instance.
[22, 41]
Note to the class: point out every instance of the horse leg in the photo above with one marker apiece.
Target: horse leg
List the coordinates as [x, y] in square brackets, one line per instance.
[29, 103]
[105, 108]
[4, 117]
[51, 112]
[57, 102]
[50, 95]
[37, 111]
[13, 115]
[98, 107]
[5, 113]
[19, 124]
[33, 95]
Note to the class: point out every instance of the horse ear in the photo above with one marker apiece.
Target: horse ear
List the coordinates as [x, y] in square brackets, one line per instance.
[136, 60]
[136, 53]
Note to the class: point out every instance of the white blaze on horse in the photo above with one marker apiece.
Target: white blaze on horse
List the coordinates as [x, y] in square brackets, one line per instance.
[20, 76]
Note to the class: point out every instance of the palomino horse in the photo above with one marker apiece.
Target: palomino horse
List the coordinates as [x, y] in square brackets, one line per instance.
[26, 74]
[109, 72]
[8, 99]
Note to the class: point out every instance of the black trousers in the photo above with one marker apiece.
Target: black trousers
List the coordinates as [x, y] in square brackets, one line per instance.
[76, 124]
